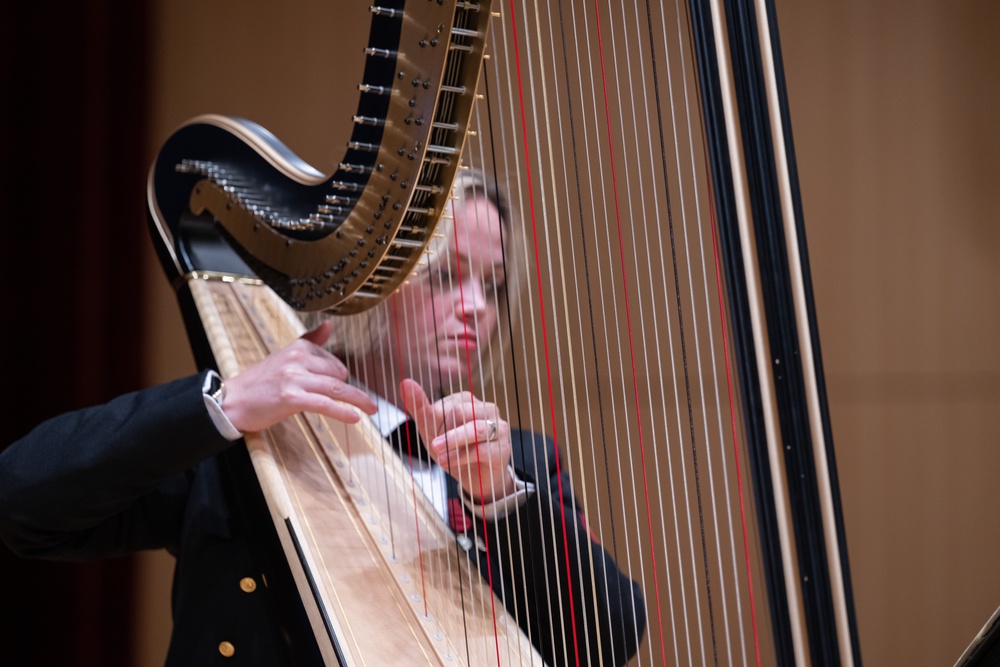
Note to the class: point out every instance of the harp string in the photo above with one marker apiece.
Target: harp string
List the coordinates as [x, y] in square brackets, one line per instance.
[468, 362]
[446, 282]
[705, 284]
[408, 436]
[695, 381]
[608, 287]
[736, 450]
[646, 126]
[571, 418]
[425, 373]
[602, 532]
[561, 253]
[544, 325]
[632, 215]
[506, 238]
[519, 609]
[551, 214]
[591, 509]
[586, 261]
[680, 316]
[526, 313]
[505, 246]
[628, 320]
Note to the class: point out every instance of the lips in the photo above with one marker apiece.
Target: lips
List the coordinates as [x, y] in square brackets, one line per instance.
[465, 341]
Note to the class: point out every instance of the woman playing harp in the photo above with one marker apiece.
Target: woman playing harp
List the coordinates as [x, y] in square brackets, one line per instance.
[140, 473]
[499, 489]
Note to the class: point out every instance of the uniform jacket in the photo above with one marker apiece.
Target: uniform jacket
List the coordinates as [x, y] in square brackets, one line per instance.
[142, 472]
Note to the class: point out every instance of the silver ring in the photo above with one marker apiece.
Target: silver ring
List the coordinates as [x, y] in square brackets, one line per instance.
[492, 426]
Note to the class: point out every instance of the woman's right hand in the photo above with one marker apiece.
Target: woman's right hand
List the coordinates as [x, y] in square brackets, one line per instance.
[302, 377]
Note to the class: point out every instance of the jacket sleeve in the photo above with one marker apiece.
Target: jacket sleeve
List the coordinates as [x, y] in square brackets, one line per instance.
[106, 480]
[566, 590]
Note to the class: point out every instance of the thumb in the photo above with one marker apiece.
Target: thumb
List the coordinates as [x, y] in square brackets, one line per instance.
[418, 405]
[320, 334]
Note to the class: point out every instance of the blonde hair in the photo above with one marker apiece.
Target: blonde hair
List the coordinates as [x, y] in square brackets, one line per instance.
[359, 334]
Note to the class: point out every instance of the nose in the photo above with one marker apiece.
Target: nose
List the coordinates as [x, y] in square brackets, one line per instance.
[473, 298]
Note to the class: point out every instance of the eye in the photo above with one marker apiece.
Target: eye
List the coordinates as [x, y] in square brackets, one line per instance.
[440, 276]
[494, 284]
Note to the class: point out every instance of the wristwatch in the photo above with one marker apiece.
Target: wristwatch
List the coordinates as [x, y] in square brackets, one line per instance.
[214, 388]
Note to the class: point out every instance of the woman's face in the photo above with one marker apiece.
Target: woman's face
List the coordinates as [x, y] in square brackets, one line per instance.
[442, 319]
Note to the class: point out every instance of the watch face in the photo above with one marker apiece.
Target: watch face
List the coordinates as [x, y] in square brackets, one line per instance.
[216, 388]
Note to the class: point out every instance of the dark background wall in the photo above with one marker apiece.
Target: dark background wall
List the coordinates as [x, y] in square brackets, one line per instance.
[74, 112]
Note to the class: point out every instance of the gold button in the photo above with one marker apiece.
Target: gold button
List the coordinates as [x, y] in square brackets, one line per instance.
[227, 649]
[248, 584]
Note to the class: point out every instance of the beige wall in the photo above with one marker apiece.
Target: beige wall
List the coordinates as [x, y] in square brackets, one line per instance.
[892, 114]
[894, 111]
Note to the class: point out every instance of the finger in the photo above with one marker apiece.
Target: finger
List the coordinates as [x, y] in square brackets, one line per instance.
[339, 391]
[463, 407]
[478, 431]
[419, 406]
[328, 407]
[320, 334]
[480, 478]
[318, 360]
[460, 462]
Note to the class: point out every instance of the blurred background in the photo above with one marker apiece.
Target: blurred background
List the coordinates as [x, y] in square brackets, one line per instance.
[894, 110]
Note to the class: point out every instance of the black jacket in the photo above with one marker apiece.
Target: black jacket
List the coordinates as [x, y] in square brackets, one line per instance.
[141, 472]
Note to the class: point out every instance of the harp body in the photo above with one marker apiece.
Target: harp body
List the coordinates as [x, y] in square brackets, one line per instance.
[332, 490]
[238, 219]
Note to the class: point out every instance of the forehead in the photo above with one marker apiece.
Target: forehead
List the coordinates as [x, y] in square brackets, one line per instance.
[478, 231]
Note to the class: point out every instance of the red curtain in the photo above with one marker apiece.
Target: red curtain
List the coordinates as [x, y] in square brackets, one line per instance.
[72, 149]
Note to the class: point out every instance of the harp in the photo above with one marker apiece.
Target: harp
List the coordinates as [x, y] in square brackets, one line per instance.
[667, 342]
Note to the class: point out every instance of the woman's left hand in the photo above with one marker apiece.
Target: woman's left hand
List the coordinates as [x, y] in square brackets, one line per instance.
[467, 437]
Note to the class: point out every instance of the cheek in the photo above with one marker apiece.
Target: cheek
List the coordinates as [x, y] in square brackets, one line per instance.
[492, 320]
[439, 310]
[411, 309]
